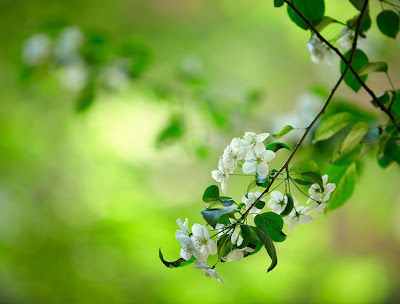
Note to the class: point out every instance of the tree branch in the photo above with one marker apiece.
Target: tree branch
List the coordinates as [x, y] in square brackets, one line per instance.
[356, 75]
[308, 129]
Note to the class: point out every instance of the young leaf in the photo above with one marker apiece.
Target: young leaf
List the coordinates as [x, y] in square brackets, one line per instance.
[345, 184]
[175, 264]
[269, 246]
[272, 223]
[388, 23]
[379, 66]
[324, 23]
[305, 165]
[246, 235]
[285, 130]
[359, 60]
[315, 177]
[224, 245]
[312, 10]
[277, 146]
[353, 139]
[333, 124]
[211, 194]
[212, 216]
[289, 206]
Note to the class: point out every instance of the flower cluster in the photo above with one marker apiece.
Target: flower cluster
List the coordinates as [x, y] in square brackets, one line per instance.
[234, 237]
[251, 151]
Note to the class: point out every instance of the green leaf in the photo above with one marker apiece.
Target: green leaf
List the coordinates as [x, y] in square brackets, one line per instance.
[212, 216]
[315, 177]
[305, 165]
[272, 223]
[252, 185]
[278, 3]
[359, 61]
[260, 204]
[339, 159]
[285, 130]
[365, 23]
[303, 182]
[384, 99]
[312, 10]
[256, 248]
[246, 235]
[211, 194]
[226, 201]
[324, 23]
[333, 124]
[277, 146]
[224, 245]
[269, 246]
[379, 66]
[358, 4]
[175, 264]
[172, 132]
[86, 98]
[388, 23]
[289, 207]
[345, 185]
[354, 138]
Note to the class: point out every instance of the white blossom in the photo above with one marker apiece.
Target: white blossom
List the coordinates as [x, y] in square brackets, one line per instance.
[221, 175]
[346, 38]
[320, 198]
[237, 254]
[250, 139]
[319, 50]
[74, 76]
[209, 272]
[278, 202]
[203, 243]
[184, 226]
[68, 43]
[188, 248]
[232, 154]
[298, 215]
[257, 159]
[36, 49]
[250, 199]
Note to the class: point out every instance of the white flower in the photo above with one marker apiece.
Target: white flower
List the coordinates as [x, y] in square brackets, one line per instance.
[184, 226]
[316, 193]
[298, 215]
[250, 139]
[346, 38]
[250, 199]
[257, 159]
[188, 248]
[74, 76]
[319, 207]
[278, 202]
[36, 49]
[319, 50]
[232, 154]
[209, 272]
[202, 241]
[237, 254]
[221, 175]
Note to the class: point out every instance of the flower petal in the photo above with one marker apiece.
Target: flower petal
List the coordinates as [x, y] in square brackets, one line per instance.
[249, 166]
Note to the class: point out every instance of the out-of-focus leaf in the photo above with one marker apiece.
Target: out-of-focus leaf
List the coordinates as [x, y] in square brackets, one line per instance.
[86, 98]
[345, 178]
[333, 124]
[278, 3]
[175, 264]
[379, 66]
[172, 132]
[354, 138]
[358, 4]
[359, 61]
[285, 130]
[324, 23]
[305, 165]
[388, 23]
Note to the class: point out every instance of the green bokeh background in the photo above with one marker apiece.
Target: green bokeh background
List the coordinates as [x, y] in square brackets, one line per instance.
[86, 200]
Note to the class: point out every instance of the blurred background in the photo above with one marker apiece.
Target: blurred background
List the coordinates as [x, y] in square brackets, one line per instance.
[112, 116]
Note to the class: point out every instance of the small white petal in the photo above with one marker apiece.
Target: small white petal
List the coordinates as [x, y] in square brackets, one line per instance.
[261, 137]
[293, 224]
[211, 247]
[249, 166]
[268, 156]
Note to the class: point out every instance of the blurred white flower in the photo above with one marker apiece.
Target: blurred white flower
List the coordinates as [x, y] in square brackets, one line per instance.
[221, 175]
[115, 77]
[74, 76]
[192, 66]
[319, 50]
[36, 49]
[68, 44]
[346, 38]
[209, 272]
